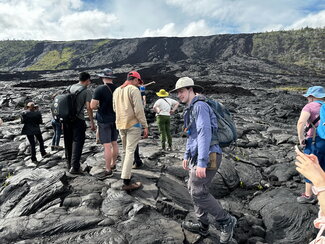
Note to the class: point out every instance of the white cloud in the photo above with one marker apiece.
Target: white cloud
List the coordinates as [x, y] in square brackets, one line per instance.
[198, 28]
[86, 19]
[52, 20]
[166, 30]
[86, 25]
[250, 15]
[312, 20]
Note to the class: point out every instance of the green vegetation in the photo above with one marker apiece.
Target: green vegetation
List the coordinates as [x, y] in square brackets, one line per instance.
[100, 43]
[301, 47]
[11, 52]
[54, 60]
[292, 88]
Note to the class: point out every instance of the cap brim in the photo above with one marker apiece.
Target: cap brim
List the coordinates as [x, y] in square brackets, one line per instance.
[159, 95]
[105, 76]
[316, 96]
[197, 88]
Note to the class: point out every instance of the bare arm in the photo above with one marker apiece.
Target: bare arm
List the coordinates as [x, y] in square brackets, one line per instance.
[90, 115]
[174, 108]
[304, 116]
[308, 166]
[94, 104]
[148, 84]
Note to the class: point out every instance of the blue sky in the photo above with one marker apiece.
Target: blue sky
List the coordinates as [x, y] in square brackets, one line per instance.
[93, 19]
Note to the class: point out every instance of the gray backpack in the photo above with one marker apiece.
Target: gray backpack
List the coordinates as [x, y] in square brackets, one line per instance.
[226, 133]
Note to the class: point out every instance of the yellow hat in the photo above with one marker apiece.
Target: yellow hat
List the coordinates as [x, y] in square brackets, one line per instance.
[162, 93]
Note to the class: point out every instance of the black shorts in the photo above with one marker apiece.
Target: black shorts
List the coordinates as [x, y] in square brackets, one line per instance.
[107, 132]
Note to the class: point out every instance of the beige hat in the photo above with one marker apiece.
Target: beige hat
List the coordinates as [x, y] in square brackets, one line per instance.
[186, 82]
[162, 93]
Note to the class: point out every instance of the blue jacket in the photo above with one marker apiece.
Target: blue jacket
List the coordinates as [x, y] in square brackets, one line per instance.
[200, 132]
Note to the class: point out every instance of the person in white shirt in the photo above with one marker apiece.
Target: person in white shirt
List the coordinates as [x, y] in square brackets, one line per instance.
[164, 107]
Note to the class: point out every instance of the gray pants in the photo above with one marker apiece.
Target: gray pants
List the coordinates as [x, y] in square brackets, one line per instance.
[204, 202]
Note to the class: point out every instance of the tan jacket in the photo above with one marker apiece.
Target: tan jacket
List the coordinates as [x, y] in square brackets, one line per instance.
[128, 106]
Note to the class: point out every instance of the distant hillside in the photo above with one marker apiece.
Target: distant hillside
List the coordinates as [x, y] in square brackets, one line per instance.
[304, 48]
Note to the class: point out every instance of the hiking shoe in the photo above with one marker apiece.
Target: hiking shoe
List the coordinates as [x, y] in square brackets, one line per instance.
[137, 166]
[196, 228]
[227, 230]
[132, 187]
[76, 172]
[113, 167]
[307, 199]
[106, 174]
[169, 149]
[45, 155]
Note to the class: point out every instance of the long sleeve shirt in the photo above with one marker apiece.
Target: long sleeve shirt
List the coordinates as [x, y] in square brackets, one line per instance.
[200, 133]
[128, 106]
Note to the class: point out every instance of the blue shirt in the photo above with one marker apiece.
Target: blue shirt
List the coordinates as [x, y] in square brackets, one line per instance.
[200, 133]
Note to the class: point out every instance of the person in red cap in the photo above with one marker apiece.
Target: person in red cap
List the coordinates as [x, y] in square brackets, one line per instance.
[130, 117]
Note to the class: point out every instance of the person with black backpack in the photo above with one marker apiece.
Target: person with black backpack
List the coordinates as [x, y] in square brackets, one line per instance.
[74, 126]
[202, 159]
[310, 136]
[103, 101]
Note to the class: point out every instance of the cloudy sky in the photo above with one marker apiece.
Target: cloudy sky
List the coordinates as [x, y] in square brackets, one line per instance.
[93, 19]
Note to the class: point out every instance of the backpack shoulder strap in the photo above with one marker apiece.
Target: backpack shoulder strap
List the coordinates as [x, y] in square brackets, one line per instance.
[109, 88]
[313, 124]
[167, 101]
[77, 92]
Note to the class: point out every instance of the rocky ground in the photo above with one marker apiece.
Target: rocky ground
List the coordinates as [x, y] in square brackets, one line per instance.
[256, 182]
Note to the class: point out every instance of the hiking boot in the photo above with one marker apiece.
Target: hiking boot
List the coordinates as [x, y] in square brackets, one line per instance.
[132, 187]
[53, 148]
[106, 174]
[169, 149]
[227, 230]
[197, 228]
[307, 199]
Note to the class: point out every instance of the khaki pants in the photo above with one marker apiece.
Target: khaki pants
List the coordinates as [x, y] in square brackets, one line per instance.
[130, 139]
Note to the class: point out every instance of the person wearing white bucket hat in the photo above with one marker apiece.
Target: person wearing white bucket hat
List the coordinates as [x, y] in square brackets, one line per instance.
[308, 138]
[202, 160]
[164, 107]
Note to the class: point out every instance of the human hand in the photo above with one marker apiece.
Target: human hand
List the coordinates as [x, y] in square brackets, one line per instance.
[302, 142]
[308, 166]
[185, 164]
[200, 172]
[145, 133]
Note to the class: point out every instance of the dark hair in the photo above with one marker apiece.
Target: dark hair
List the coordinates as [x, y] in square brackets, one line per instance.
[83, 76]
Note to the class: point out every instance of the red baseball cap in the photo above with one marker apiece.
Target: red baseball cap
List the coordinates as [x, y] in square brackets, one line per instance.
[136, 75]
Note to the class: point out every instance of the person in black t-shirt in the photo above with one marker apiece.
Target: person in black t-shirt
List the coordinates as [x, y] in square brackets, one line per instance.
[103, 101]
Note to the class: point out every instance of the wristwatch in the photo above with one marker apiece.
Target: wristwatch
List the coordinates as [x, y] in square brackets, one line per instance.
[317, 190]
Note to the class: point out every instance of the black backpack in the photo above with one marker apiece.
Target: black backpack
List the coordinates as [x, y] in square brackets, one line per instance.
[64, 106]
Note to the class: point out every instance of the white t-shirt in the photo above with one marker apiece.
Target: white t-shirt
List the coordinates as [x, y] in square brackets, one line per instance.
[164, 105]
